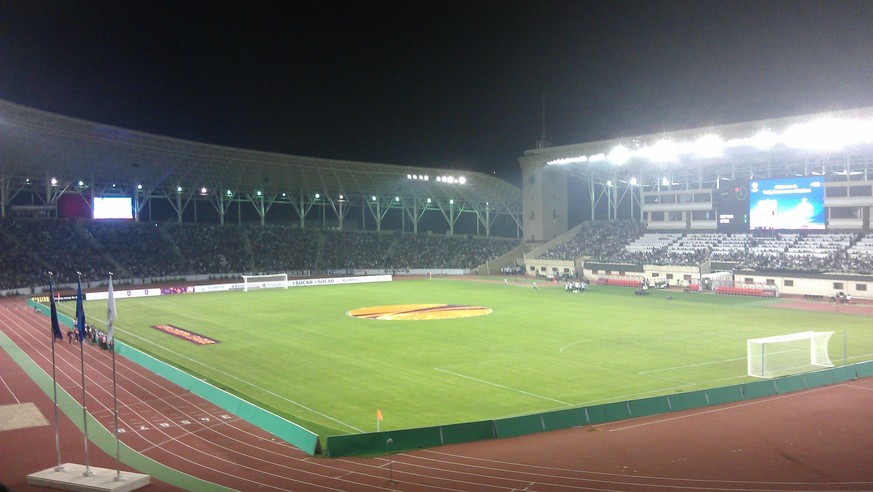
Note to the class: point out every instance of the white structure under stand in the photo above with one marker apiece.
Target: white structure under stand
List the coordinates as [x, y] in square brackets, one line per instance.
[72, 477]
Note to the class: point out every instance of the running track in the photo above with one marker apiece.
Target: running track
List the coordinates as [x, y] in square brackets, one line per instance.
[815, 440]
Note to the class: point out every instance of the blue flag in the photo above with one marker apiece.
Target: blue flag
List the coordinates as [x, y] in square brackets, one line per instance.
[80, 312]
[56, 328]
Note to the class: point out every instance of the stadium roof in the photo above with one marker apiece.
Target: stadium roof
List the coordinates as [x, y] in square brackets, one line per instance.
[838, 145]
[37, 146]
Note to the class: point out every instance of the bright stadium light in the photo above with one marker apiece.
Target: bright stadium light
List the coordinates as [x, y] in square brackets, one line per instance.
[428, 200]
[619, 155]
[259, 193]
[81, 183]
[426, 177]
[664, 151]
[665, 181]
[54, 181]
[139, 186]
[178, 189]
[633, 181]
[709, 145]
[764, 139]
[597, 158]
[317, 196]
[569, 160]
[825, 135]
[373, 198]
[408, 176]
[462, 180]
[451, 202]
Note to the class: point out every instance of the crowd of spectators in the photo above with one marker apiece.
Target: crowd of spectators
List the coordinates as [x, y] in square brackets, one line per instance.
[600, 242]
[813, 252]
[135, 250]
[141, 250]
[277, 248]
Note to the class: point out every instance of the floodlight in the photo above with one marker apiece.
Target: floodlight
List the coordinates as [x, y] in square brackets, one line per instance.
[203, 190]
[54, 181]
[462, 180]
[663, 151]
[178, 189]
[228, 193]
[317, 196]
[665, 181]
[709, 145]
[597, 158]
[619, 155]
[764, 139]
[633, 181]
[81, 183]
[408, 176]
[426, 177]
[451, 202]
[139, 186]
[258, 193]
[569, 160]
[373, 198]
[824, 135]
[609, 182]
[428, 200]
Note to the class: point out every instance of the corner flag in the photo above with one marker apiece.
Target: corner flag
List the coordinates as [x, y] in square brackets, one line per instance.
[80, 313]
[56, 328]
[378, 414]
[110, 313]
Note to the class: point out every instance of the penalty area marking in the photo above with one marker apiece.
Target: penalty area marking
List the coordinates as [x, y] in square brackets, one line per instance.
[496, 385]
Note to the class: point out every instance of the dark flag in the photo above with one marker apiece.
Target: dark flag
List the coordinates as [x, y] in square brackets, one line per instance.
[80, 313]
[56, 328]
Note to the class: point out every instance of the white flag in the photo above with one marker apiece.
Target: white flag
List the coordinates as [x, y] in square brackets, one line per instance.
[110, 313]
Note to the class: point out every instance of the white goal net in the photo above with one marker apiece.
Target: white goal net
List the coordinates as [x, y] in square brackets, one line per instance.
[788, 354]
[274, 281]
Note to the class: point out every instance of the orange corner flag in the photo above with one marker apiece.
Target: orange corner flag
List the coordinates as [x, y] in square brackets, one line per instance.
[378, 414]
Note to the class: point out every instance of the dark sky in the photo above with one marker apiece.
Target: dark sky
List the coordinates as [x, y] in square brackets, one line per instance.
[438, 84]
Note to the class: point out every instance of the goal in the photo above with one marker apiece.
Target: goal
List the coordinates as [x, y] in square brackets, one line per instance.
[274, 281]
[788, 354]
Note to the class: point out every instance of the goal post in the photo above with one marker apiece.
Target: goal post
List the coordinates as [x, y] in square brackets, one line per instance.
[273, 281]
[788, 354]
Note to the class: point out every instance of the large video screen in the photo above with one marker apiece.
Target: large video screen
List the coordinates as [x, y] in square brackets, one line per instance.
[113, 207]
[788, 203]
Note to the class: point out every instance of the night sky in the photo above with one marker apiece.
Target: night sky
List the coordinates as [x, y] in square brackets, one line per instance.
[438, 84]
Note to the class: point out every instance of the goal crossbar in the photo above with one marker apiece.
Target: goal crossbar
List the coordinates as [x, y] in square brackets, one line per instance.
[273, 281]
[788, 354]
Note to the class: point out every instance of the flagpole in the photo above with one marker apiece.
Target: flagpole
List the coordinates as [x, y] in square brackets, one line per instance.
[110, 335]
[80, 326]
[55, 332]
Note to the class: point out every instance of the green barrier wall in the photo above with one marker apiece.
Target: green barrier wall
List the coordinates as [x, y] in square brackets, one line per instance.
[758, 389]
[608, 412]
[565, 419]
[649, 406]
[790, 384]
[686, 401]
[865, 369]
[727, 394]
[400, 440]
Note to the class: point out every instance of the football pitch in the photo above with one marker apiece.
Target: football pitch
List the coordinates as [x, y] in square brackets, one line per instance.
[299, 353]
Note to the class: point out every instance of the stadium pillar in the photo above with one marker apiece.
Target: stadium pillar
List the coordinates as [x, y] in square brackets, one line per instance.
[544, 200]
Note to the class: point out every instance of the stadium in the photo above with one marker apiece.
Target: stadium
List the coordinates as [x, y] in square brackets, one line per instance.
[354, 308]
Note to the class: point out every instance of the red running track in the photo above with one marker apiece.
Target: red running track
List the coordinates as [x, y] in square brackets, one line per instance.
[813, 440]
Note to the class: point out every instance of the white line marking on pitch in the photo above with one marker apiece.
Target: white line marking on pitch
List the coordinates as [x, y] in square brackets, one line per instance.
[501, 386]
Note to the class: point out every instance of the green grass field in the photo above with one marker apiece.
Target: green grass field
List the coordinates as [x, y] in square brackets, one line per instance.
[298, 353]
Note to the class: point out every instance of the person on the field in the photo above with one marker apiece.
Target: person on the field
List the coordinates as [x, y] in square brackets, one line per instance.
[534, 285]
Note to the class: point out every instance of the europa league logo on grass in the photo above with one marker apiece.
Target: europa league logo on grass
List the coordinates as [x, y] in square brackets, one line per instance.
[419, 311]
